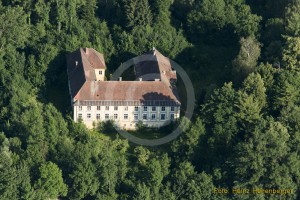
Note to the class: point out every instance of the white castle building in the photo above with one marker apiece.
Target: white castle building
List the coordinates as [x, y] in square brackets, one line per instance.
[153, 101]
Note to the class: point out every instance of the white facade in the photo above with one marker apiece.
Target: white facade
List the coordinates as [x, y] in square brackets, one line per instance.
[153, 102]
[127, 117]
[100, 74]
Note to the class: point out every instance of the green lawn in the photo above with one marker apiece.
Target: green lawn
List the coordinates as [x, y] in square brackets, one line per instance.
[152, 133]
[144, 132]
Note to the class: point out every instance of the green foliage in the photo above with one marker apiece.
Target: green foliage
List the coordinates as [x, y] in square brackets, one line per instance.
[142, 155]
[8, 176]
[142, 38]
[50, 184]
[218, 114]
[14, 27]
[112, 165]
[248, 110]
[286, 90]
[142, 192]
[247, 23]
[26, 191]
[169, 41]
[188, 184]
[186, 145]
[88, 10]
[275, 27]
[247, 58]
[162, 13]
[84, 180]
[210, 15]
[138, 13]
[262, 158]
[55, 126]
[254, 85]
[272, 39]
[291, 53]
[292, 18]
[244, 135]
[290, 118]
[267, 72]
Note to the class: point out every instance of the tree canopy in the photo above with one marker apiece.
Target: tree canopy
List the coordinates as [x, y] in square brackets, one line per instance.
[242, 56]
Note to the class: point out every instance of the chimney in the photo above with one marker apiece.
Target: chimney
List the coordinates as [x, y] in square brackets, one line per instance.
[76, 62]
[86, 50]
[154, 51]
[120, 78]
[140, 79]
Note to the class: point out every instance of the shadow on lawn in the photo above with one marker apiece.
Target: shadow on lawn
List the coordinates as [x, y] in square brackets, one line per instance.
[142, 131]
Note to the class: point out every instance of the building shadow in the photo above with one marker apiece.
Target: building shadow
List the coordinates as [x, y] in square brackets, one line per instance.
[57, 90]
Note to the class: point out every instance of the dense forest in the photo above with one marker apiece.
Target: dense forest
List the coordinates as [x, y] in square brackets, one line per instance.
[243, 57]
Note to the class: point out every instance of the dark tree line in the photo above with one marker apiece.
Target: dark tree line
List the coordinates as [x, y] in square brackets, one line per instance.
[244, 134]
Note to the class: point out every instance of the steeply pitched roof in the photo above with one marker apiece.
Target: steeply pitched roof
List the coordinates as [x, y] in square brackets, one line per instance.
[76, 73]
[81, 67]
[84, 87]
[126, 90]
[95, 59]
[156, 65]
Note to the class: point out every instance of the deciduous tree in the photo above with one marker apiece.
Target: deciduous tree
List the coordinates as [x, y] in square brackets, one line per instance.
[246, 60]
[50, 183]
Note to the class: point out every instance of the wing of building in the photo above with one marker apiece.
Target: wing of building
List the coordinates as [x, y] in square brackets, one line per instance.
[152, 99]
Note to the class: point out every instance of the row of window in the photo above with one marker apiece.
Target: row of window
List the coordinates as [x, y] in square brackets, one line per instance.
[136, 108]
[136, 116]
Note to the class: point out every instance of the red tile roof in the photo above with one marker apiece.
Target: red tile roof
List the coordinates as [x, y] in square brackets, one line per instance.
[126, 90]
[156, 64]
[84, 87]
[94, 58]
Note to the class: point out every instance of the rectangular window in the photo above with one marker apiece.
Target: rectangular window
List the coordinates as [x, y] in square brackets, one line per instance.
[106, 107]
[125, 116]
[80, 108]
[79, 116]
[145, 108]
[115, 116]
[144, 116]
[106, 116]
[136, 117]
[163, 108]
[89, 115]
[116, 108]
[100, 72]
[172, 116]
[153, 116]
[98, 107]
[126, 108]
[89, 108]
[172, 108]
[136, 108]
[153, 108]
[98, 116]
[163, 116]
